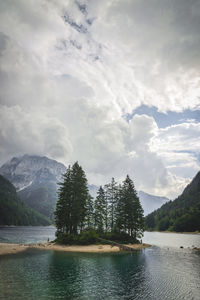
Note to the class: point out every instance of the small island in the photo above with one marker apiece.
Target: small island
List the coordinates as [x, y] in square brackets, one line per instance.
[114, 218]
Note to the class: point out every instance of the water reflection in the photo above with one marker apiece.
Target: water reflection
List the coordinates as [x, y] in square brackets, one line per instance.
[149, 274]
[96, 276]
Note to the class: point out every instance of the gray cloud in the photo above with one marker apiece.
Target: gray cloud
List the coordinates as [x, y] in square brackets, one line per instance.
[65, 86]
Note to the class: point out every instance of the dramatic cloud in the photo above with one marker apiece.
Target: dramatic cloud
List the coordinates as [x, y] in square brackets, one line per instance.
[71, 71]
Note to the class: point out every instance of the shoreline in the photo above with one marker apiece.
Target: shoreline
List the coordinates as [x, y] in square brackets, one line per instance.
[182, 232]
[7, 248]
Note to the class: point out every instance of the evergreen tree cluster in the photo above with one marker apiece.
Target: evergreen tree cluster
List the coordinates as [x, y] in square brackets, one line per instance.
[116, 209]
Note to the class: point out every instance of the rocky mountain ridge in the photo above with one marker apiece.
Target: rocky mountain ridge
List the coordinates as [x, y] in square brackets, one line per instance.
[35, 179]
[31, 169]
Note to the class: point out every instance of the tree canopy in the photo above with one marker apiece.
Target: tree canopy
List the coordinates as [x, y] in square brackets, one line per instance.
[71, 207]
[116, 209]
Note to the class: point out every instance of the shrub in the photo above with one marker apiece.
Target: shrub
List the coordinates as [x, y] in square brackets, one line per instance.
[119, 237]
[87, 237]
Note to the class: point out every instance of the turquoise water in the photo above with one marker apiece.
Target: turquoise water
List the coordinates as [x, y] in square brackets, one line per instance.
[149, 274]
[155, 273]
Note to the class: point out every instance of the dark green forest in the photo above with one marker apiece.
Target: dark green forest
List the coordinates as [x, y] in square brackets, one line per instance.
[182, 214]
[115, 214]
[13, 211]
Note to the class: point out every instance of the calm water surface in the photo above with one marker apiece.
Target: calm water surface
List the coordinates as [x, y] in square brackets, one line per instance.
[175, 240]
[155, 273]
[26, 234]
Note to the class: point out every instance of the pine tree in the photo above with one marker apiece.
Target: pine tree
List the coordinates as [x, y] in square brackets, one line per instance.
[79, 197]
[129, 211]
[100, 210]
[120, 209]
[112, 197]
[64, 203]
[89, 219]
[72, 197]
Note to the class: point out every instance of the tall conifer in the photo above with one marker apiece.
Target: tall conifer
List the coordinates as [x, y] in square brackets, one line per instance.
[72, 197]
[112, 197]
[129, 211]
[100, 210]
[89, 219]
[64, 204]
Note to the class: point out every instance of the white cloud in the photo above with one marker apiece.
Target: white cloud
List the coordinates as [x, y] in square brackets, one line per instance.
[179, 137]
[64, 92]
[178, 146]
[24, 132]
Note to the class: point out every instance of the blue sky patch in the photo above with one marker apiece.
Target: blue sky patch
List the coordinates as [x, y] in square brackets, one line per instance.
[165, 119]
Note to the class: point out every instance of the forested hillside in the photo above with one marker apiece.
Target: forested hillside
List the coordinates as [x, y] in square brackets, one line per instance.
[13, 211]
[35, 179]
[182, 214]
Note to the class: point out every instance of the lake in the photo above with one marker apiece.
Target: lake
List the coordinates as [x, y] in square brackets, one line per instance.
[26, 234]
[163, 271]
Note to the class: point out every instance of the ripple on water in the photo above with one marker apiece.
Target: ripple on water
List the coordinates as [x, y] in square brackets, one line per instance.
[154, 273]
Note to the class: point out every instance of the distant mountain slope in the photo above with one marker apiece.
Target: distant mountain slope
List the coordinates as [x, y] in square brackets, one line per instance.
[13, 211]
[151, 202]
[35, 179]
[30, 169]
[182, 214]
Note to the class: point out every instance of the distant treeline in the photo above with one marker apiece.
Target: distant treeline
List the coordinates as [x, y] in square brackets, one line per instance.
[115, 212]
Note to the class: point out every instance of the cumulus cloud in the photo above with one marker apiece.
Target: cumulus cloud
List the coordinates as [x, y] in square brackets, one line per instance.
[70, 71]
[178, 145]
[24, 132]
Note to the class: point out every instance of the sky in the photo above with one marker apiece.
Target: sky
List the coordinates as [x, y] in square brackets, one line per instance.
[114, 84]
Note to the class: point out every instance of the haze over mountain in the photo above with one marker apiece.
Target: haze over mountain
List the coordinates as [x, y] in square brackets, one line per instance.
[36, 177]
[13, 211]
[151, 202]
[182, 214]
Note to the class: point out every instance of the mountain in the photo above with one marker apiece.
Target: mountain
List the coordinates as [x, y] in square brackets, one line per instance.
[13, 211]
[93, 189]
[151, 202]
[182, 214]
[29, 169]
[35, 179]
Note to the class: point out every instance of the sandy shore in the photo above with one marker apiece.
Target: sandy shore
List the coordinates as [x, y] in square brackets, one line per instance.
[6, 248]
